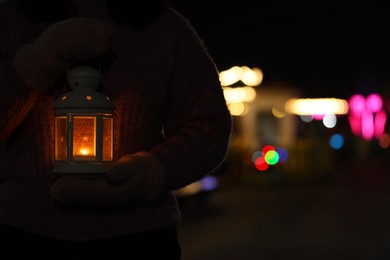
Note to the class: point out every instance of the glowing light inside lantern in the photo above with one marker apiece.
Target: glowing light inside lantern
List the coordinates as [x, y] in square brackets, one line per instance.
[84, 151]
[83, 126]
[84, 139]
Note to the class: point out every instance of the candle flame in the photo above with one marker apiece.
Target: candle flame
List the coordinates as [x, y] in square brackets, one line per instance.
[84, 151]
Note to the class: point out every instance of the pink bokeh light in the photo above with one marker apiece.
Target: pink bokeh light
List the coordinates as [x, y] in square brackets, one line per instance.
[366, 116]
[374, 103]
[380, 122]
[357, 104]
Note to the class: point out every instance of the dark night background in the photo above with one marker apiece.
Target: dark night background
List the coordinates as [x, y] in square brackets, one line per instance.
[324, 48]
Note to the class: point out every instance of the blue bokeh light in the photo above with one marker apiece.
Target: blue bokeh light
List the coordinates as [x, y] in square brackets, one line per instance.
[336, 141]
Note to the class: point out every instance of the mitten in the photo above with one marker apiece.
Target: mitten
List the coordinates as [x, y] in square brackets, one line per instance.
[40, 63]
[138, 176]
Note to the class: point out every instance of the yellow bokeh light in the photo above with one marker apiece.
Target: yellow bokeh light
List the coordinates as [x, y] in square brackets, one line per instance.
[239, 94]
[277, 113]
[250, 77]
[190, 189]
[230, 76]
[317, 106]
[250, 94]
[238, 108]
[238, 97]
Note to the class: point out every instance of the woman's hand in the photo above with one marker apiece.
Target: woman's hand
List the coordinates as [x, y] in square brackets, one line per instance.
[40, 63]
[138, 176]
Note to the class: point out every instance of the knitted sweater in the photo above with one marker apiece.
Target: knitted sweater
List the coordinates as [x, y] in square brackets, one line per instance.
[168, 101]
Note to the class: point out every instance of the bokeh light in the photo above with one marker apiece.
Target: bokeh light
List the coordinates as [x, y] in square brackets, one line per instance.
[329, 120]
[238, 108]
[276, 112]
[256, 155]
[238, 97]
[283, 154]
[374, 103]
[261, 164]
[367, 118]
[384, 141]
[306, 118]
[317, 106]
[269, 155]
[248, 76]
[209, 183]
[336, 141]
[251, 77]
[357, 104]
[267, 148]
[380, 123]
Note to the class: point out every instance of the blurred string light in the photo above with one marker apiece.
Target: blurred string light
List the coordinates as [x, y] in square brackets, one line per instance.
[250, 77]
[317, 106]
[367, 118]
[237, 98]
[324, 109]
[239, 94]
[269, 155]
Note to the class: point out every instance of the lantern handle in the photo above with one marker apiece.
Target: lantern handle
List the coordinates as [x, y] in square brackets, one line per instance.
[86, 63]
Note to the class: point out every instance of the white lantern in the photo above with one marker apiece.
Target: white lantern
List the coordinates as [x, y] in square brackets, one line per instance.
[83, 126]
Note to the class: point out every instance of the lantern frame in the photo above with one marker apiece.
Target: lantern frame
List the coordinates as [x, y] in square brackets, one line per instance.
[80, 104]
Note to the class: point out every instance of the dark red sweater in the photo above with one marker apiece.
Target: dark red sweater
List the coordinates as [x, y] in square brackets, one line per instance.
[168, 101]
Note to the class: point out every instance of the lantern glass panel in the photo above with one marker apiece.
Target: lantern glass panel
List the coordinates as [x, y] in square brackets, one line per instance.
[60, 138]
[107, 138]
[84, 138]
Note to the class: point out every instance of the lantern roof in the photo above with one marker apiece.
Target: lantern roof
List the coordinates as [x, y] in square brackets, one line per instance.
[83, 80]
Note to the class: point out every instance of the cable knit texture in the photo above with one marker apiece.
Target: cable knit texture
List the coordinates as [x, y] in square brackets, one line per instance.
[168, 100]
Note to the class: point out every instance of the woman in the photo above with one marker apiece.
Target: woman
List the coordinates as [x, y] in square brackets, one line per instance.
[171, 124]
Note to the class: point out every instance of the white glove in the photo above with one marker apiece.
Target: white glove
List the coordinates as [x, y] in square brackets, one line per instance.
[138, 176]
[40, 63]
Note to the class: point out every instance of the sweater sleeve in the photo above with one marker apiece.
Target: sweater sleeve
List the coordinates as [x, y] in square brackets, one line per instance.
[197, 127]
[16, 101]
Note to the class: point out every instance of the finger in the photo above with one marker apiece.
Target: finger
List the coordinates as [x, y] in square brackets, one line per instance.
[117, 172]
[123, 169]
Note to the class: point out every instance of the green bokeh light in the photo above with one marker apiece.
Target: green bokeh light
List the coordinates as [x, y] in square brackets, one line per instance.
[271, 157]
